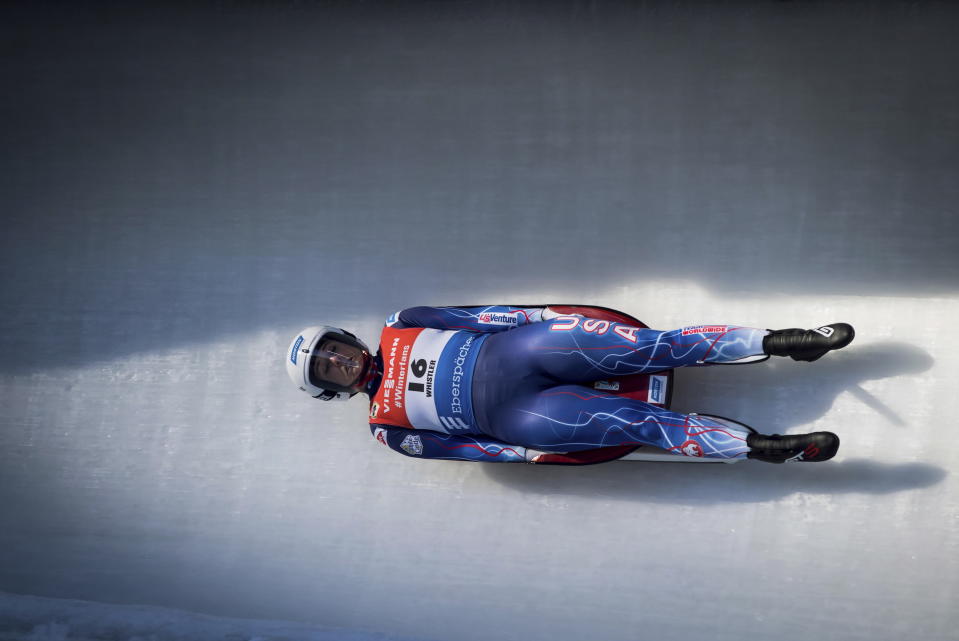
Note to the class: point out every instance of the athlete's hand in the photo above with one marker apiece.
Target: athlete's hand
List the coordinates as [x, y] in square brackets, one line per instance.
[533, 456]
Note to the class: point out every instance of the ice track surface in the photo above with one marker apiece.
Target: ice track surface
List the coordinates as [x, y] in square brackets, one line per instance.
[184, 189]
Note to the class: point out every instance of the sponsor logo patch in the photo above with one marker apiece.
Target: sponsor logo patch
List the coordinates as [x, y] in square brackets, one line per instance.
[811, 451]
[692, 448]
[458, 374]
[380, 435]
[825, 331]
[657, 389]
[393, 319]
[296, 349]
[412, 445]
[453, 423]
[489, 318]
[705, 329]
[389, 380]
[374, 410]
[609, 386]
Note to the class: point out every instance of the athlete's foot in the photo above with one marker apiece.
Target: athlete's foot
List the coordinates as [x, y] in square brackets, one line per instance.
[808, 344]
[809, 448]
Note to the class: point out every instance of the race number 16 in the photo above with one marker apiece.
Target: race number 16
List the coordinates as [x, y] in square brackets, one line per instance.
[418, 368]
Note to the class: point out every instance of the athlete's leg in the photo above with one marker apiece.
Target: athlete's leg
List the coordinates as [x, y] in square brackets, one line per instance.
[577, 350]
[570, 418]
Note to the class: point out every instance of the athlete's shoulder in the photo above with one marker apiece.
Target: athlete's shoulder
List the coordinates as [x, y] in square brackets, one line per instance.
[412, 317]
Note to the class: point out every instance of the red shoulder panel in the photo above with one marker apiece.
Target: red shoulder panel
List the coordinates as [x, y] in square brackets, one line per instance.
[587, 457]
[602, 313]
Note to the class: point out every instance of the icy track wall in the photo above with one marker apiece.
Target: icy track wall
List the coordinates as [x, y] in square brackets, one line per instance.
[38, 619]
[184, 189]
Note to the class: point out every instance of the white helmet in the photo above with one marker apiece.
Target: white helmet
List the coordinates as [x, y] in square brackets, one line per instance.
[328, 363]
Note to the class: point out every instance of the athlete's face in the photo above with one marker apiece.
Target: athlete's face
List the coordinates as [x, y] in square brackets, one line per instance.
[339, 363]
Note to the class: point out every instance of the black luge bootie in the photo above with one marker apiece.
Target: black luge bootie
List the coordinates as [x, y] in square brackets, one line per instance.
[809, 448]
[808, 344]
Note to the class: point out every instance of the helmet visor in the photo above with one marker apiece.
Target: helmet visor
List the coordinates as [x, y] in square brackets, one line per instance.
[339, 363]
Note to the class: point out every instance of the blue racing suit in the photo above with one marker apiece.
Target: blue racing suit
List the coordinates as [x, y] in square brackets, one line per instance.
[504, 384]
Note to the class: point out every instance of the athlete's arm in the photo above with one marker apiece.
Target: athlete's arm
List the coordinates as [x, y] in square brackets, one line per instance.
[450, 447]
[492, 318]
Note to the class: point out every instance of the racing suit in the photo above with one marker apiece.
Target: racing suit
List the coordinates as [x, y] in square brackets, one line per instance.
[503, 384]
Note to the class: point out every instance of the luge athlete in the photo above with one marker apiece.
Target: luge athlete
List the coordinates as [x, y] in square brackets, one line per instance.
[507, 384]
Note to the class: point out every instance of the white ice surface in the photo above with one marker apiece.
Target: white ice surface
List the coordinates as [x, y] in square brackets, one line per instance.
[184, 189]
[197, 477]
